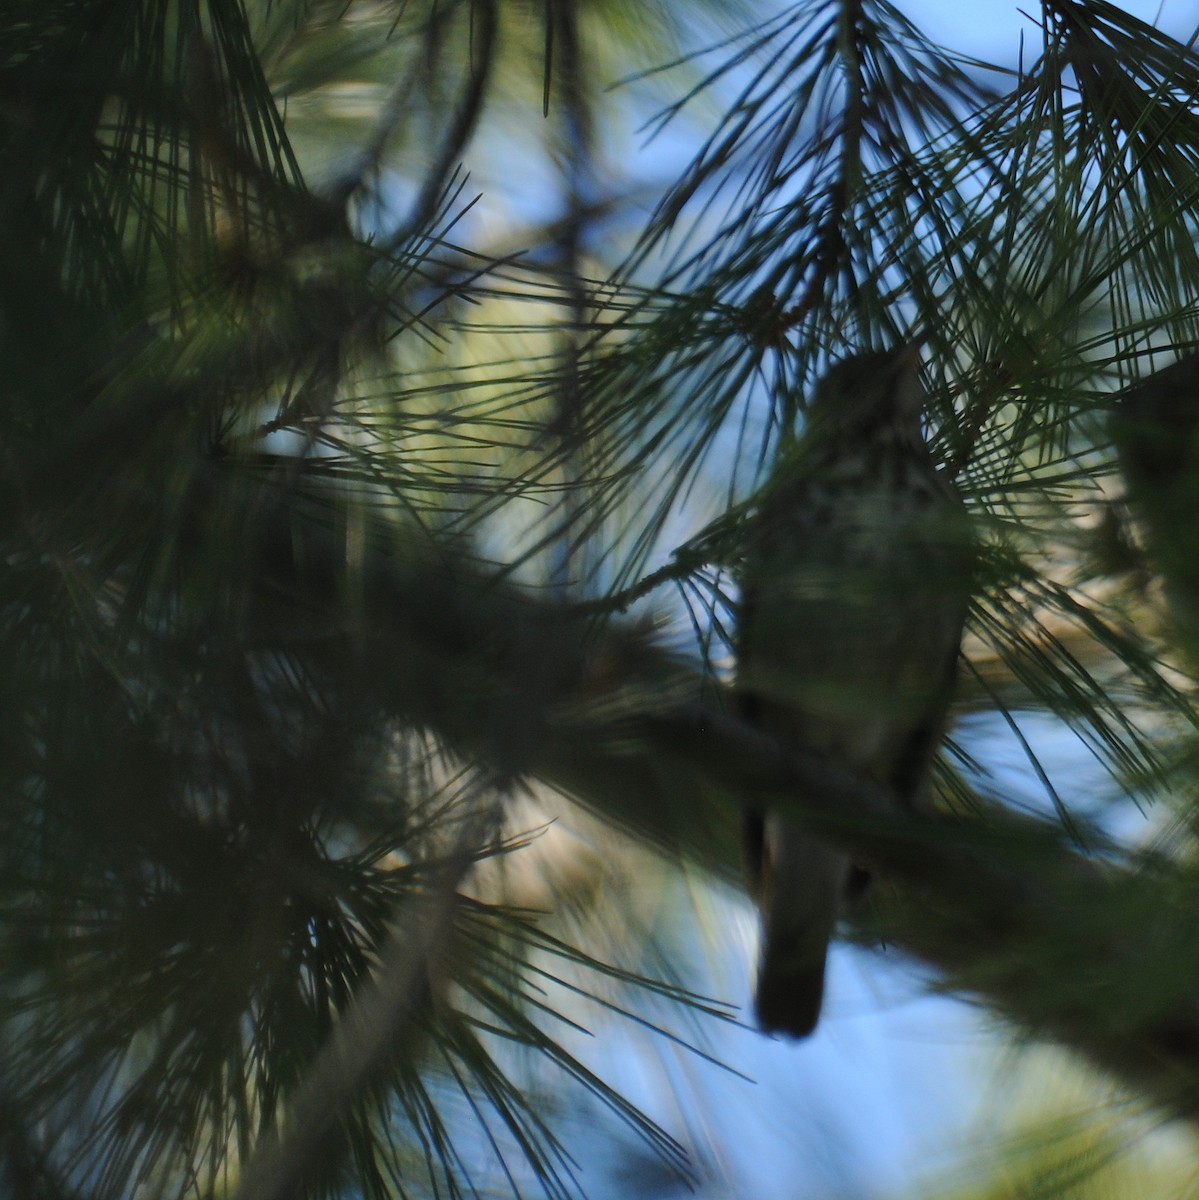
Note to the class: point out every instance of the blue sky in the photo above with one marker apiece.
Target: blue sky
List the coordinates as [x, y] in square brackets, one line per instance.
[992, 28]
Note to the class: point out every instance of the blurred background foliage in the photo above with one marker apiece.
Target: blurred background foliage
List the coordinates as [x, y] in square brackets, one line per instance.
[386, 389]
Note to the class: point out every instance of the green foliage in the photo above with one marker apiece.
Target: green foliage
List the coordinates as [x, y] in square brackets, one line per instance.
[275, 451]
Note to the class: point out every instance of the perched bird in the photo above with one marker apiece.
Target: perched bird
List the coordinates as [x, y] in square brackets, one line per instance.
[854, 587]
[1155, 428]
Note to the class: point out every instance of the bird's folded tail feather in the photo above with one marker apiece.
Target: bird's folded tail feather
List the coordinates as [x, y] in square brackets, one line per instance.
[802, 884]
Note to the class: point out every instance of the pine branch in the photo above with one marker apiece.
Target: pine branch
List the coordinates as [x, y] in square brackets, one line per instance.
[361, 1048]
[1004, 907]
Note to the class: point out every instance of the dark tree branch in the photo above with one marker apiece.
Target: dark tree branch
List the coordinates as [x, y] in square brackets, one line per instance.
[363, 1046]
[1003, 906]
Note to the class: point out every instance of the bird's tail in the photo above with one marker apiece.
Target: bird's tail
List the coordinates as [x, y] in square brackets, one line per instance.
[803, 884]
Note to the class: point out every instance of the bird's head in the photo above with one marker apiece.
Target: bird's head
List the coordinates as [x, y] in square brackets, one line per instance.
[869, 394]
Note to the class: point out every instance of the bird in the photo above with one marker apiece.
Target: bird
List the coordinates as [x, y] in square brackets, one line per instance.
[854, 590]
[1155, 429]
